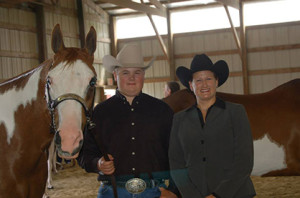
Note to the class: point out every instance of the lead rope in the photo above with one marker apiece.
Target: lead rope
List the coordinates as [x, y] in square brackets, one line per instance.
[112, 178]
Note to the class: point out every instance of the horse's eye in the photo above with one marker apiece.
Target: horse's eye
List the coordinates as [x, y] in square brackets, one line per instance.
[93, 81]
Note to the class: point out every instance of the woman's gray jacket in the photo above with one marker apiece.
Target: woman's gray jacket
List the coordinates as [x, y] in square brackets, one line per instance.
[217, 158]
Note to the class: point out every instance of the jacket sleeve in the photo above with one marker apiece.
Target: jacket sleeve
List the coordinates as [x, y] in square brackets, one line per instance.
[242, 165]
[179, 172]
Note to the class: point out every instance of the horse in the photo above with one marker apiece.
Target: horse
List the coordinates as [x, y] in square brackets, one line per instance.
[53, 100]
[275, 122]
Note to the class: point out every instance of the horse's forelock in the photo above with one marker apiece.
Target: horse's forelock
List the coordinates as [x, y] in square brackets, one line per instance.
[70, 55]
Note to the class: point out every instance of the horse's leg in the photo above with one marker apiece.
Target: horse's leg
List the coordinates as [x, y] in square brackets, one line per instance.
[51, 164]
[38, 179]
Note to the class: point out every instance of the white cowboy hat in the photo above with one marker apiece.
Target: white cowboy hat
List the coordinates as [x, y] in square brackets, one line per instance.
[129, 56]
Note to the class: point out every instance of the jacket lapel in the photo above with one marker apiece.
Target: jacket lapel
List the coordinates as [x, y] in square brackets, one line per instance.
[213, 114]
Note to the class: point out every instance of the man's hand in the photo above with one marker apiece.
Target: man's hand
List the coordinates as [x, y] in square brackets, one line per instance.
[210, 196]
[106, 167]
[166, 193]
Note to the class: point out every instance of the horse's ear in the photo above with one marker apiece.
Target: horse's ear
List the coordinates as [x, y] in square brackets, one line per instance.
[91, 41]
[57, 42]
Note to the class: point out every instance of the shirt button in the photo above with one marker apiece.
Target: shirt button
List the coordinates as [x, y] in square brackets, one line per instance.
[137, 102]
[133, 153]
[132, 109]
[133, 138]
[133, 169]
[132, 123]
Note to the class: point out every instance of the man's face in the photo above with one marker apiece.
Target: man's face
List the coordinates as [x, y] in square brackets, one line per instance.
[167, 91]
[204, 85]
[130, 80]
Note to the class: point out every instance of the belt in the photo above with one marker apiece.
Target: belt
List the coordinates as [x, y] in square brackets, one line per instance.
[150, 183]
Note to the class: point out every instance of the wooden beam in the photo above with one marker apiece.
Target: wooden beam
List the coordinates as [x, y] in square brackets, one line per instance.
[158, 5]
[159, 79]
[60, 10]
[4, 53]
[244, 49]
[18, 27]
[80, 18]
[113, 36]
[137, 6]
[274, 71]
[161, 42]
[236, 38]
[171, 46]
[41, 32]
[96, 8]
[232, 3]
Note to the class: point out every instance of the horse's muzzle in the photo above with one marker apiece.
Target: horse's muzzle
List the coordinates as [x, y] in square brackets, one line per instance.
[66, 154]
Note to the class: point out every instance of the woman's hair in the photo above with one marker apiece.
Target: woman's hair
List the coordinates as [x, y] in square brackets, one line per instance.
[173, 86]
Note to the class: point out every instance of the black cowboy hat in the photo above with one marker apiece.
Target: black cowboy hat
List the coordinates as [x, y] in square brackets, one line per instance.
[200, 63]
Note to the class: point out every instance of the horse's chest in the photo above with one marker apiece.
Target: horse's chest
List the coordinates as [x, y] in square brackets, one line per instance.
[268, 156]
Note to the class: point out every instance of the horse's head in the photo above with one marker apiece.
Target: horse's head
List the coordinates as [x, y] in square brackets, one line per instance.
[70, 91]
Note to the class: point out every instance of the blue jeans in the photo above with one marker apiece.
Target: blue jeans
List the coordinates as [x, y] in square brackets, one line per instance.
[106, 191]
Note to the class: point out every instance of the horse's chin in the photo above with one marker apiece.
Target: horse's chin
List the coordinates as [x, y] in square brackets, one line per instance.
[68, 157]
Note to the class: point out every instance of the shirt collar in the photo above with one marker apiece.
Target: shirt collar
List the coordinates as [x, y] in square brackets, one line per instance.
[218, 103]
[122, 97]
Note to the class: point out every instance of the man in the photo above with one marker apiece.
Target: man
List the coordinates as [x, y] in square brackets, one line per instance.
[133, 129]
[170, 88]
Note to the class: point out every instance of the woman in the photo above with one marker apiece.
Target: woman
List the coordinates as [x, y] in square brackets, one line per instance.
[211, 147]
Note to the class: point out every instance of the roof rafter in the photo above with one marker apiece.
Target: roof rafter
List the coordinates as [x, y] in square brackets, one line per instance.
[139, 7]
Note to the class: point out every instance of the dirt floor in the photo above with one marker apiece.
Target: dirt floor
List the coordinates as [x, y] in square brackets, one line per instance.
[73, 182]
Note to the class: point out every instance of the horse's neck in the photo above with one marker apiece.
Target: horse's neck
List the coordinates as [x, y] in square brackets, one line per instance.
[22, 96]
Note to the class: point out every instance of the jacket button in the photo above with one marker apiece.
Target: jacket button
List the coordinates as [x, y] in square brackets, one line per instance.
[202, 141]
[204, 159]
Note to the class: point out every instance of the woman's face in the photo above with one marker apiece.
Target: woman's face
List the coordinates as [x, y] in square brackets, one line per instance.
[204, 85]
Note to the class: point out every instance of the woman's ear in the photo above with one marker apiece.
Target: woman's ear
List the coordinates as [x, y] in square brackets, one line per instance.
[191, 86]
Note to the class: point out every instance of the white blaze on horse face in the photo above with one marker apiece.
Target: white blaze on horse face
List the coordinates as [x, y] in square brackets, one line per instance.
[13, 98]
[70, 79]
[268, 156]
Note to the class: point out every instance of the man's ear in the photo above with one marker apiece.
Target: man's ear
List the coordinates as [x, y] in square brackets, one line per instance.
[115, 75]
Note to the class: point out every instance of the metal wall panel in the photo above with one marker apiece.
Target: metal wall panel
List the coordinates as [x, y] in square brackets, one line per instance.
[18, 46]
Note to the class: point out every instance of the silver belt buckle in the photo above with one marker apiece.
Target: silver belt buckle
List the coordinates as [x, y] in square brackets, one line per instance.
[135, 185]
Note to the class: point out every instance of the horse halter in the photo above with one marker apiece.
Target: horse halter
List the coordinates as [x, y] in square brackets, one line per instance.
[52, 104]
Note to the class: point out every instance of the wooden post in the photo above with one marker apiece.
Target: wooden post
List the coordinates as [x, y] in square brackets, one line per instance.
[244, 49]
[171, 47]
[41, 32]
[112, 35]
[236, 38]
[80, 17]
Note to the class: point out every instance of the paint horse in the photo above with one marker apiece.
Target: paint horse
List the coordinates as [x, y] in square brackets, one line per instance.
[52, 99]
[275, 122]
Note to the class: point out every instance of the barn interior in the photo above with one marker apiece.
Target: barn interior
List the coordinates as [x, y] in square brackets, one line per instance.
[260, 56]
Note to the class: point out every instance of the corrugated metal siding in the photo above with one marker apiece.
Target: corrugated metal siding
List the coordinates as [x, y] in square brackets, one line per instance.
[26, 41]
[101, 25]
[19, 41]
